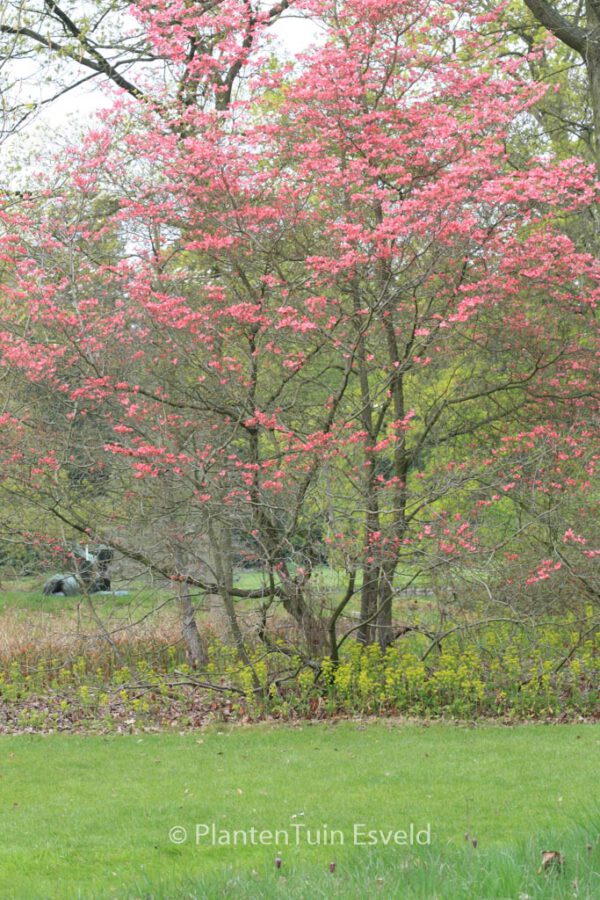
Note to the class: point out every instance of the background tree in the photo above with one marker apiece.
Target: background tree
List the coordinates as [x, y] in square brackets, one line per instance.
[577, 27]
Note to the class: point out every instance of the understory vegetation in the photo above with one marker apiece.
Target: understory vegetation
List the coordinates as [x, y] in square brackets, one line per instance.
[124, 677]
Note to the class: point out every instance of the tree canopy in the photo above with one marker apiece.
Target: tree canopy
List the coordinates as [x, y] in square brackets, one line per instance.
[338, 309]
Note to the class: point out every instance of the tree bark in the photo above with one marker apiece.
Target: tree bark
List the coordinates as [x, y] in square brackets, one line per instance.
[586, 42]
[195, 651]
[592, 62]
[221, 551]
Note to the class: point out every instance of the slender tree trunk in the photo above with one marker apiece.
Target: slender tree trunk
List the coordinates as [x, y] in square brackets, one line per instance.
[313, 627]
[221, 551]
[189, 629]
[367, 633]
[175, 524]
[401, 465]
[592, 61]
[385, 597]
[194, 648]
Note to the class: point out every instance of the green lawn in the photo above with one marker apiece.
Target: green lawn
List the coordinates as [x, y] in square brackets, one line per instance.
[90, 816]
[26, 593]
[28, 597]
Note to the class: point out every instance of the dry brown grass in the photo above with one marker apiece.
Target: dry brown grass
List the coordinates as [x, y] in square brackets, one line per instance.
[71, 632]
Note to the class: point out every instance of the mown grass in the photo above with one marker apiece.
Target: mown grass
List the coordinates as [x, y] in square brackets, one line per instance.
[90, 816]
[27, 595]
[26, 592]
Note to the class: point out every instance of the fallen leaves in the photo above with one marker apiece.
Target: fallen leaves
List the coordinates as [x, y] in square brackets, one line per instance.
[552, 861]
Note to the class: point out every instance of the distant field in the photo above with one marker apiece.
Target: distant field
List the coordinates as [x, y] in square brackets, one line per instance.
[90, 817]
[27, 592]
[145, 623]
[24, 609]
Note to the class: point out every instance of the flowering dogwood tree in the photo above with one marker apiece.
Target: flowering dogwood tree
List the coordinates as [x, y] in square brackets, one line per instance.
[310, 312]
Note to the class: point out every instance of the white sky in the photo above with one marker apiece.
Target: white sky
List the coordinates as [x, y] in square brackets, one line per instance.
[67, 116]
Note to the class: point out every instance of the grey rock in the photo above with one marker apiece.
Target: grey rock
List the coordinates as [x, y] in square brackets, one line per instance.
[67, 585]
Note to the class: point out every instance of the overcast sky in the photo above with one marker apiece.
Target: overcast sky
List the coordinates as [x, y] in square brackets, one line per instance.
[65, 117]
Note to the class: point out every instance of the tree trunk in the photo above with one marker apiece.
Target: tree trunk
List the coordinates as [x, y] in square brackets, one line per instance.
[313, 627]
[367, 633]
[195, 651]
[592, 62]
[221, 552]
[385, 599]
[585, 41]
